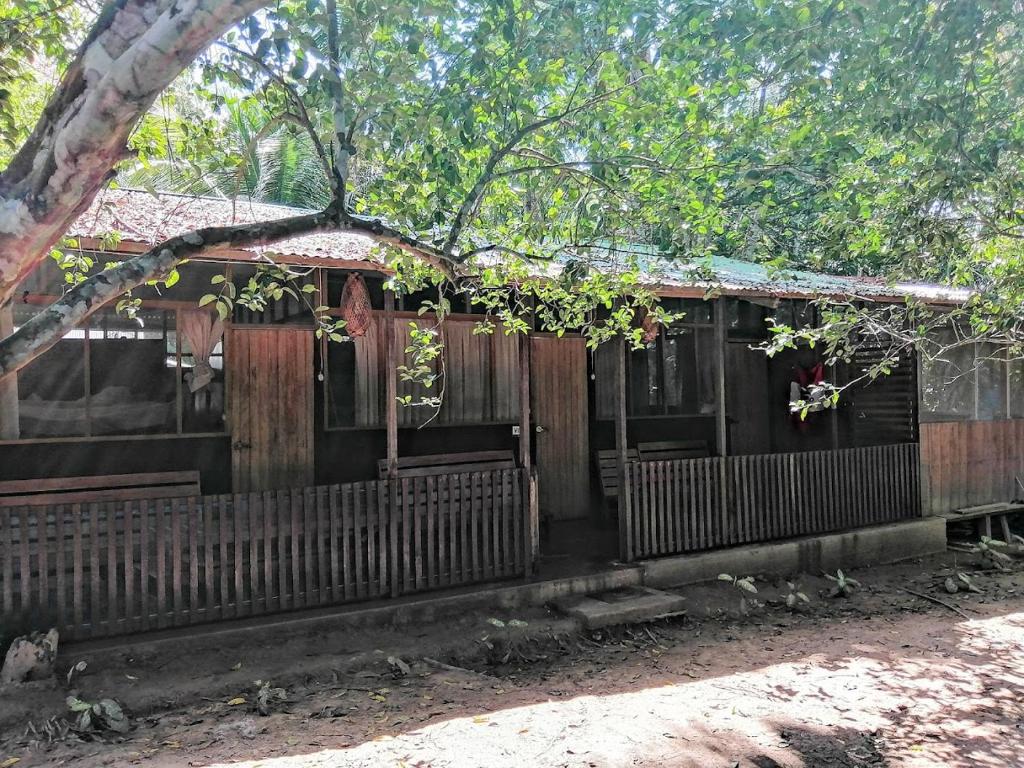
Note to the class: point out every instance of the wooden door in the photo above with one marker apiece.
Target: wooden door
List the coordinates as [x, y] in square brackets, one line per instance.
[558, 398]
[270, 407]
[747, 399]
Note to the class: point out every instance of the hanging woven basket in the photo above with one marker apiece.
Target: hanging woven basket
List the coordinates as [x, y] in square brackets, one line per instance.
[356, 310]
[648, 325]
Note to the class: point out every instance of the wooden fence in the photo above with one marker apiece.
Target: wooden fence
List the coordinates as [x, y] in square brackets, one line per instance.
[693, 504]
[119, 567]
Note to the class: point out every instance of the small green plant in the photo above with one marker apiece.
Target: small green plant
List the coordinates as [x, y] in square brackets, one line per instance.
[504, 645]
[989, 555]
[268, 697]
[93, 719]
[843, 585]
[795, 597]
[745, 586]
[960, 581]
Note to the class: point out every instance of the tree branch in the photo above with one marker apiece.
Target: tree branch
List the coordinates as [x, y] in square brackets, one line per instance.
[53, 323]
[487, 175]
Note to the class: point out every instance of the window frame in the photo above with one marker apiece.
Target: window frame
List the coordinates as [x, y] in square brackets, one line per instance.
[87, 330]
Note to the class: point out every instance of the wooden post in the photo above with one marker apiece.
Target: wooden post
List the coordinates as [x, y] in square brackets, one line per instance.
[9, 429]
[531, 516]
[726, 504]
[721, 425]
[391, 417]
[624, 501]
[391, 384]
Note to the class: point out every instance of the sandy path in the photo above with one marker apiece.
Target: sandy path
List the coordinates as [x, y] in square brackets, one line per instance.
[900, 689]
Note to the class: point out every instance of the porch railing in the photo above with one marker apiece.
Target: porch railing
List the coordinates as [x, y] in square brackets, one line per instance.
[693, 504]
[120, 567]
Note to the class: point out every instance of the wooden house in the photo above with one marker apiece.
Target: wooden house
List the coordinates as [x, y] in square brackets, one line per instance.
[183, 471]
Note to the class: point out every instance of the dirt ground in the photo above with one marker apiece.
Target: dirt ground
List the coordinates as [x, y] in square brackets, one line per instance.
[883, 678]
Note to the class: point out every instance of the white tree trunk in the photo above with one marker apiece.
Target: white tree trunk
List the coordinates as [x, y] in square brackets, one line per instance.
[134, 51]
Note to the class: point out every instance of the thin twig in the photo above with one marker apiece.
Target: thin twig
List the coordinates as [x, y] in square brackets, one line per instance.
[453, 668]
[935, 600]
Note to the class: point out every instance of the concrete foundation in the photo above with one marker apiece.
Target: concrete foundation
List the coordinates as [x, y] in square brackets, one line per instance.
[876, 545]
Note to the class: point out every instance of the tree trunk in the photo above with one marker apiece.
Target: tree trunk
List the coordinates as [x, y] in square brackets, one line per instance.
[134, 51]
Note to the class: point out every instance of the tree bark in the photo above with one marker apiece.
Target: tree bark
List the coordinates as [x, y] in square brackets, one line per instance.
[134, 51]
[49, 326]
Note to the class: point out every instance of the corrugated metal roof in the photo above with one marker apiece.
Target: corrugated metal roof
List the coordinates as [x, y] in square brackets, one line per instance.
[146, 219]
[733, 276]
[143, 218]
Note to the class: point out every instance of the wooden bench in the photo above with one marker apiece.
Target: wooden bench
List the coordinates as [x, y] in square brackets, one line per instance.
[671, 450]
[97, 488]
[449, 463]
[983, 514]
[607, 465]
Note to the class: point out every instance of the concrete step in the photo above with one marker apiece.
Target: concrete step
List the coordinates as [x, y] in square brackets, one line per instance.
[627, 605]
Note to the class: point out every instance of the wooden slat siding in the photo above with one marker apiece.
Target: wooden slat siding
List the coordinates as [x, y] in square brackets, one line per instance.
[331, 510]
[324, 581]
[60, 563]
[177, 554]
[476, 532]
[387, 549]
[139, 550]
[342, 516]
[359, 532]
[239, 550]
[111, 576]
[306, 571]
[970, 463]
[223, 564]
[767, 496]
[254, 526]
[450, 520]
[294, 553]
[206, 510]
[192, 523]
[7, 518]
[406, 546]
[463, 511]
[519, 494]
[160, 563]
[127, 576]
[78, 564]
[145, 563]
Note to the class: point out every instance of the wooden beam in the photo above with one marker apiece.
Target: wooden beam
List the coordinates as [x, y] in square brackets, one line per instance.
[531, 537]
[128, 248]
[621, 452]
[721, 337]
[391, 384]
[9, 418]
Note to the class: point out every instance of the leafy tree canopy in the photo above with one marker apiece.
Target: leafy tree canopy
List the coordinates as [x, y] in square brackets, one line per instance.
[850, 136]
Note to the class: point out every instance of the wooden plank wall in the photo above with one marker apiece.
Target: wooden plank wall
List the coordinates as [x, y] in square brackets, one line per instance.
[884, 410]
[121, 567]
[482, 372]
[964, 463]
[684, 506]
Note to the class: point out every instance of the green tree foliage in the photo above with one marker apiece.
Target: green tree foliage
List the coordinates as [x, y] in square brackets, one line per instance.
[852, 136]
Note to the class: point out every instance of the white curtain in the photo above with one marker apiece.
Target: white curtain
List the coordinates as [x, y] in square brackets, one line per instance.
[203, 333]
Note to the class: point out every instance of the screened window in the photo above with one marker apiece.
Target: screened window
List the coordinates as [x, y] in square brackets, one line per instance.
[117, 377]
[972, 381]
